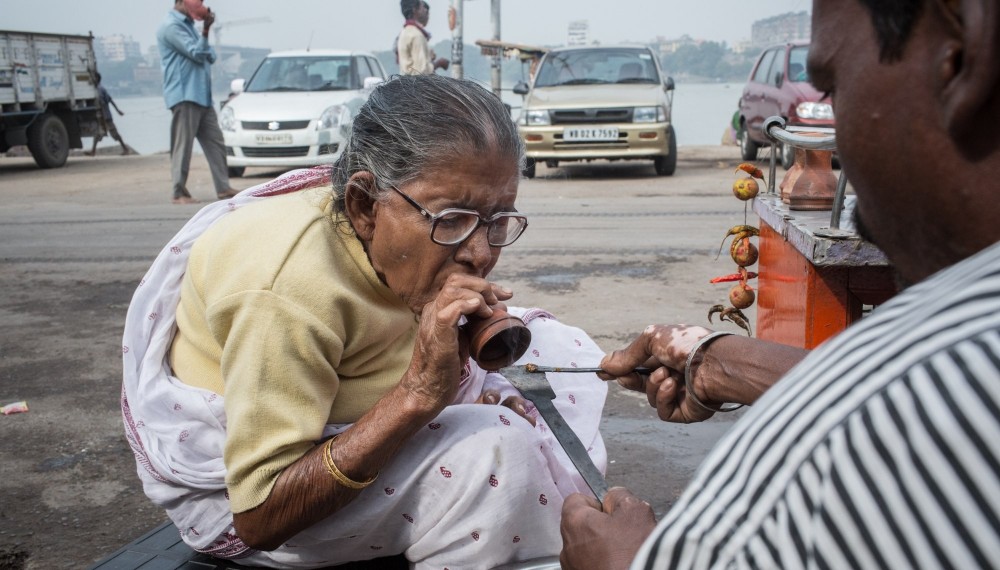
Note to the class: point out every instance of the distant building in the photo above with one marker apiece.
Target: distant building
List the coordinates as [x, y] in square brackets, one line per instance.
[742, 47]
[118, 48]
[147, 77]
[152, 56]
[793, 26]
[578, 32]
[666, 46]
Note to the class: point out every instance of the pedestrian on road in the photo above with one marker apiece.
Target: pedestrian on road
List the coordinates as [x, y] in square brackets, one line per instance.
[186, 59]
[413, 50]
[107, 120]
[880, 448]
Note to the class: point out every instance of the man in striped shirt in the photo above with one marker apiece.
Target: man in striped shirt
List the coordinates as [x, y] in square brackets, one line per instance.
[881, 448]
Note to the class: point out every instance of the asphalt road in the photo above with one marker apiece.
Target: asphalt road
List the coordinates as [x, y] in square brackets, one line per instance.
[610, 248]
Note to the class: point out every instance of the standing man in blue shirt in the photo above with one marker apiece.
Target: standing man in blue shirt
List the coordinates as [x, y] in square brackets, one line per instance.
[186, 59]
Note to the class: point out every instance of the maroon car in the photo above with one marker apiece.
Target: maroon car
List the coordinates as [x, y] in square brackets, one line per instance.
[779, 85]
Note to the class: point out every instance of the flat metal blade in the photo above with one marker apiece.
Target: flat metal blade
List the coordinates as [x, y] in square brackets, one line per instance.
[535, 387]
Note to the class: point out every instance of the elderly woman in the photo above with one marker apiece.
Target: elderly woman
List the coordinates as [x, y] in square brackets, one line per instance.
[293, 313]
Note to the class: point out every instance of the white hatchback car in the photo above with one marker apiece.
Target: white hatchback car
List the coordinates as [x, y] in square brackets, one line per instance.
[297, 108]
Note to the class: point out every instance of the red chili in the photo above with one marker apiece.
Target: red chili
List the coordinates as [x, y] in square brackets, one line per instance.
[733, 277]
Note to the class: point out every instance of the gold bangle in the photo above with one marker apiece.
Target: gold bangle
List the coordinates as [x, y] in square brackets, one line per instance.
[331, 468]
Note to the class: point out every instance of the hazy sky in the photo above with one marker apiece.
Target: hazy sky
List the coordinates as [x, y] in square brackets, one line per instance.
[373, 24]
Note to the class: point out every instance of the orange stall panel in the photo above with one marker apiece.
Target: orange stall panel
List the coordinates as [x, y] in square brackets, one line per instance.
[810, 287]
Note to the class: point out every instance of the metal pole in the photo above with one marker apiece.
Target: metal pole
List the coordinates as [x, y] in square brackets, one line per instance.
[495, 18]
[456, 40]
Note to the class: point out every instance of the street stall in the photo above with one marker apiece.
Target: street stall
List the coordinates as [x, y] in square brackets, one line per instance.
[816, 275]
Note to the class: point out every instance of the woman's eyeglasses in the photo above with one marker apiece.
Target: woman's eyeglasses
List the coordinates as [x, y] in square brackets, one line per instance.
[453, 225]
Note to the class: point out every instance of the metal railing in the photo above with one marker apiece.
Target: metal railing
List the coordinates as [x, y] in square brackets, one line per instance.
[776, 130]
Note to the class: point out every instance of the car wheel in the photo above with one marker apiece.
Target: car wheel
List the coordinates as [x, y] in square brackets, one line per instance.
[666, 165]
[787, 156]
[48, 141]
[529, 168]
[236, 171]
[748, 148]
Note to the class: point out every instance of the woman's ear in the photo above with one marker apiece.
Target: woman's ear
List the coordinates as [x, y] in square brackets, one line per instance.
[360, 205]
[970, 68]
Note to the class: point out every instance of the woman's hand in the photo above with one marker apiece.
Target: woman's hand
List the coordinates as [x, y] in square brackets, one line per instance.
[604, 536]
[515, 403]
[665, 348]
[441, 350]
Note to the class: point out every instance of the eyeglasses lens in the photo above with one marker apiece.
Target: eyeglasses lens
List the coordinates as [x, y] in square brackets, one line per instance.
[455, 227]
[505, 230]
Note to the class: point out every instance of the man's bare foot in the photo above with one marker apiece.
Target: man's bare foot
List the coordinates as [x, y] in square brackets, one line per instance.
[88, 152]
[232, 192]
[186, 200]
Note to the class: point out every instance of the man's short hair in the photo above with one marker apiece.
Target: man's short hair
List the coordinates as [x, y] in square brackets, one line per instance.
[408, 7]
[893, 21]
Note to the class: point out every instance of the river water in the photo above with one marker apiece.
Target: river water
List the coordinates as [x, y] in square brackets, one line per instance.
[702, 112]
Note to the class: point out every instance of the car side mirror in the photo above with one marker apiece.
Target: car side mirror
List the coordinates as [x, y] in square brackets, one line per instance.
[520, 88]
[236, 86]
[668, 84]
[371, 82]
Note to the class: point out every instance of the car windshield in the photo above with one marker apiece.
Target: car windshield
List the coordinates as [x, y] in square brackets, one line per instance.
[311, 73]
[597, 66]
[797, 64]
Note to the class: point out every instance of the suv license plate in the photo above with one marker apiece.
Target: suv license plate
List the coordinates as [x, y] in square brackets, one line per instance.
[591, 134]
[277, 138]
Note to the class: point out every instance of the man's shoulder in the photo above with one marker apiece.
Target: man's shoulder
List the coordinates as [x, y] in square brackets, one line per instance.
[411, 32]
[171, 22]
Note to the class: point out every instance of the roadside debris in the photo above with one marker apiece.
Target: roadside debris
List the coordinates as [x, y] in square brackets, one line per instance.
[15, 408]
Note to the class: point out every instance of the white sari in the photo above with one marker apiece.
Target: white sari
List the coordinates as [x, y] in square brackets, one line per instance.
[477, 488]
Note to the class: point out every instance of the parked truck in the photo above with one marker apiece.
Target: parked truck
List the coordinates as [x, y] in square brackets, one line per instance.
[48, 94]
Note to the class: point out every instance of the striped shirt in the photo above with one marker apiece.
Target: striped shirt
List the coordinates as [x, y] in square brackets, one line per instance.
[879, 450]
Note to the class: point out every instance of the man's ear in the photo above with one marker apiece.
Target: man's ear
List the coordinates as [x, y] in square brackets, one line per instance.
[360, 205]
[970, 68]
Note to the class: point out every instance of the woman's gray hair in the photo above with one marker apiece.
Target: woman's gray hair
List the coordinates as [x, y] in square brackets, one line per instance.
[411, 125]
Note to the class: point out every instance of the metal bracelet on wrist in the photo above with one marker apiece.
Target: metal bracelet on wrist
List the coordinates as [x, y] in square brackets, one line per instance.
[688, 384]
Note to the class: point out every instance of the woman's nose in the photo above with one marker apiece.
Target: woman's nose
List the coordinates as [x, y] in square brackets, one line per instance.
[476, 250]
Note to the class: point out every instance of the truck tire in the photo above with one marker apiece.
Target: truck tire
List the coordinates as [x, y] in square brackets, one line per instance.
[529, 168]
[666, 165]
[48, 141]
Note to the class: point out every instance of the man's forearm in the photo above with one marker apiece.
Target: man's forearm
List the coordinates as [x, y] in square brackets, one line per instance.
[738, 369]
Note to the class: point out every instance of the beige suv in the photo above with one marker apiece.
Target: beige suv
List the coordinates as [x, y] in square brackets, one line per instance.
[591, 103]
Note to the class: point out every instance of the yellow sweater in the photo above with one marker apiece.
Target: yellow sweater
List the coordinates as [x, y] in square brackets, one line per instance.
[282, 314]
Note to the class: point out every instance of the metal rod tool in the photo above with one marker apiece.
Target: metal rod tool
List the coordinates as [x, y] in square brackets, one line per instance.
[535, 387]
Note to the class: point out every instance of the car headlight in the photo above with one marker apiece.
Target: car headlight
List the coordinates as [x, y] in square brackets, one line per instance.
[537, 117]
[227, 119]
[816, 111]
[333, 117]
[649, 115]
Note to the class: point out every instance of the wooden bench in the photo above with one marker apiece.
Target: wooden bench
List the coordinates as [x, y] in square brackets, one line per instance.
[163, 549]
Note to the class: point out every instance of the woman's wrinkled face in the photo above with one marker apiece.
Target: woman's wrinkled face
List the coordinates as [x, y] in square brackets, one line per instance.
[400, 247]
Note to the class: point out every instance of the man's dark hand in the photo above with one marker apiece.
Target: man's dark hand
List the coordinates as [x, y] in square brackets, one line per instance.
[605, 538]
[208, 21]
